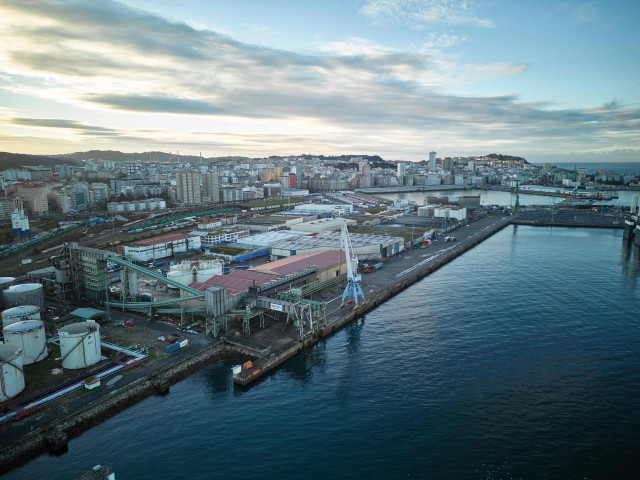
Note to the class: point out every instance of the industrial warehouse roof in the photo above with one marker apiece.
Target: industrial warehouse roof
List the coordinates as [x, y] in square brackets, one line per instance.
[269, 238]
[333, 240]
[87, 313]
[172, 237]
[296, 263]
[237, 281]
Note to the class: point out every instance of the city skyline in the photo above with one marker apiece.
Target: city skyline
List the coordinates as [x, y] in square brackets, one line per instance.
[546, 81]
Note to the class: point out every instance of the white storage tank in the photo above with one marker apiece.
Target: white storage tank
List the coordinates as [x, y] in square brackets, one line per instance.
[19, 314]
[185, 277]
[205, 274]
[4, 283]
[80, 344]
[31, 337]
[24, 294]
[11, 373]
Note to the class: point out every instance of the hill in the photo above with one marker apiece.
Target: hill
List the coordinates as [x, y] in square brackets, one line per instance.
[17, 160]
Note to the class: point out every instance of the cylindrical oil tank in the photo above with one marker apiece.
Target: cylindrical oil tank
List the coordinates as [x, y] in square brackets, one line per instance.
[130, 207]
[80, 344]
[30, 336]
[19, 314]
[24, 294]
[152, 205]
[205, 274]
[4, 283]
[215, 265]
[11, 373]
[185, 277]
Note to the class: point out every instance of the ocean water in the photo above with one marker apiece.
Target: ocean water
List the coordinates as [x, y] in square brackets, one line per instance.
[625, 168]
[519, 359]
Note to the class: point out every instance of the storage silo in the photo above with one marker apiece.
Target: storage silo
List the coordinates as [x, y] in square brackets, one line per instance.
[24, 294]
[31, 337]
[19, 314]
[132, 277]
[80, 345]
[11, 373]
[63, 271]
[185, 277]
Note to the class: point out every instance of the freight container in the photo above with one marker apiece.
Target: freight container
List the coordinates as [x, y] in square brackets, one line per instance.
[184, 343]
[236, 369]
[247, 365]
[172, 347]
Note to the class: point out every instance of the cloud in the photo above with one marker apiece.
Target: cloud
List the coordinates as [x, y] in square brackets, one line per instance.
[158, 104]
[168, 83]
[59, 123]
[418, 13]
[585, 13]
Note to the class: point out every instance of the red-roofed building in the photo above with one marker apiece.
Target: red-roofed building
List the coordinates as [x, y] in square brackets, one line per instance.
[162, 246]
[237, 281]
[330, 263]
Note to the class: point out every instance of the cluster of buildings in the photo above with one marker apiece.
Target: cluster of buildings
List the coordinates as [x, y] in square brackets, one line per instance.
[147, 185]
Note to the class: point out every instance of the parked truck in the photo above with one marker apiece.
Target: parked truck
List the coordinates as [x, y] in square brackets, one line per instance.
[370, 268]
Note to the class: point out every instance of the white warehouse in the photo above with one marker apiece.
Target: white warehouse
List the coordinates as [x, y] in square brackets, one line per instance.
[366, 247]
[162, 246]
[458, 213]
[323, 209]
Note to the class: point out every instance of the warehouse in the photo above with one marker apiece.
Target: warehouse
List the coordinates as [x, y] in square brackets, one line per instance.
[162, 246]
[330, 263]
[324, 209]
[458, 213]
[366, 247]
[324, 225]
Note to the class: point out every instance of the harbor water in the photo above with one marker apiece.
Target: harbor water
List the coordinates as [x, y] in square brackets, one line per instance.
[519, 359]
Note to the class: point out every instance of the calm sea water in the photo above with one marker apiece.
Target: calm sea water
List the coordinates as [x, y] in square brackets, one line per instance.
[520, 359]
[593, 167]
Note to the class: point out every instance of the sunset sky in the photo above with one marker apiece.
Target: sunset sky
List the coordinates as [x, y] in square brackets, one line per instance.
[547, 80]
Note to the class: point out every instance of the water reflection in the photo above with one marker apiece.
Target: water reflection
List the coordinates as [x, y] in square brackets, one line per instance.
[353, 363]
[219, 378]
[301, 367]
[630, 262]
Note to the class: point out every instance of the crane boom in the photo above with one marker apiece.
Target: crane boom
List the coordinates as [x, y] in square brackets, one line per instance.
[353, 289]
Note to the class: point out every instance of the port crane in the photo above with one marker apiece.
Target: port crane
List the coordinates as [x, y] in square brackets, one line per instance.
[353, 289]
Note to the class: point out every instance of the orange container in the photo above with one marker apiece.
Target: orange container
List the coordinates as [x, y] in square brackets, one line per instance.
[256, 371]
[247, 365]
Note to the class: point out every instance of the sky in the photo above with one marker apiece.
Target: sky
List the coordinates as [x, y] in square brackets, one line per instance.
[546, 80]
